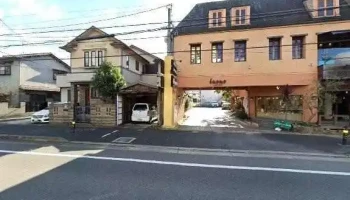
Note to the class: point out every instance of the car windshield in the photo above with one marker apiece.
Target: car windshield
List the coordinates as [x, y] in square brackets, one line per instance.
[140, 107]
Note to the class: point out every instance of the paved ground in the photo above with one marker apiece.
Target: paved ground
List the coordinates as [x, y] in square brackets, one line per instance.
[211, 117]
[94, 173]
[146, 135]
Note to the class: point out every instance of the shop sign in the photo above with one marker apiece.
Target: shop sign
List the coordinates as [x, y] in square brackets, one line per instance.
[217, 82]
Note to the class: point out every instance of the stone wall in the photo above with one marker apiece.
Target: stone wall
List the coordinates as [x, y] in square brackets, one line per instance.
[6, 111]
[61, 113]
[103, 115]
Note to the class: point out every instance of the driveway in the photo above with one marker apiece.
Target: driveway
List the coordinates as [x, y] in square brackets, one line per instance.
[212, 117]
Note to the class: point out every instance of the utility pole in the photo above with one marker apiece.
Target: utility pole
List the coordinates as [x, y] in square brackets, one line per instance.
[169, 39]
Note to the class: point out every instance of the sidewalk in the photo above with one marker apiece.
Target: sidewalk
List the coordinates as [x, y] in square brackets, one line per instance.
[15, 117]
[263, 141]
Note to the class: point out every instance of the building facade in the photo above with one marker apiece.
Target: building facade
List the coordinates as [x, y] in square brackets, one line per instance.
[267, 48]
[31, 78]
[88, 51]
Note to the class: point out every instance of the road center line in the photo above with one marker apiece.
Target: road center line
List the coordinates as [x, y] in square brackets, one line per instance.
[301, 171]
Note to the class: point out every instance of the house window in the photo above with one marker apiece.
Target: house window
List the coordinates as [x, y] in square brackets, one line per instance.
[69, 95]
[240, 16]
[87, 59]
[325, 8]
[298, 47]
[93, 58]
[195, 53]
[217, 52]
[275, 48]
[100, 58]
[240, 51]
[5, 70]
[137, 65]
[94, 93]
[217, 18]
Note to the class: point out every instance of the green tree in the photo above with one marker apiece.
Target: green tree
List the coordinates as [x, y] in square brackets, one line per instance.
[108, 80]
[226, 94]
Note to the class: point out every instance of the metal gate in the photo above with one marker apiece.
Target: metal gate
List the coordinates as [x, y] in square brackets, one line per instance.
[82, 114]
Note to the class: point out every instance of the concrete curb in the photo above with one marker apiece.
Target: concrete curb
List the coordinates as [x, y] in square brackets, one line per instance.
[32, 138]
[183, 150]
[13, 119]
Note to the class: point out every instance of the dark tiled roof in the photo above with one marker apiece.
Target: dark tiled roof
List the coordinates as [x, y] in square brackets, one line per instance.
[264, 13]
[35, 55]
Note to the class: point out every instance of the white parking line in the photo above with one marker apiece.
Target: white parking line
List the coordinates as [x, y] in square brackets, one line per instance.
[103, 136]
[115, 131]
[182, 164]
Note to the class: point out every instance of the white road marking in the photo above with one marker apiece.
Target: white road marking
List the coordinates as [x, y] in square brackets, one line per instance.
[271, 169]
[103, 136]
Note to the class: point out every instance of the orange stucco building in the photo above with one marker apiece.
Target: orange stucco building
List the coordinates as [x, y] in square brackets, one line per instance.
[259, 47]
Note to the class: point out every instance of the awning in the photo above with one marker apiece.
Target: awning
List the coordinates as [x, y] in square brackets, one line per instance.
[140, 88]
[40, 87]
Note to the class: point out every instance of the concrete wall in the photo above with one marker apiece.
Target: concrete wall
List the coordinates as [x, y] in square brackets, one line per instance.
[258, 70]
[130, 76]
[9, 84]
[151, 79]
[7, 111]
[61, 113]
[64, 95]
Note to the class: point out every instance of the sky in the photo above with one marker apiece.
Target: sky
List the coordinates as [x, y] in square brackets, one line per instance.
[23, 17]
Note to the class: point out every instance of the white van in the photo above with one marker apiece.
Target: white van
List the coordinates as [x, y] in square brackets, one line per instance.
[141, 112]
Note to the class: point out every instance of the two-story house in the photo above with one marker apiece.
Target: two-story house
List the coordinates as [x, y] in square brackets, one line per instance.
[88, 51]
[264, 49]
[31, 78]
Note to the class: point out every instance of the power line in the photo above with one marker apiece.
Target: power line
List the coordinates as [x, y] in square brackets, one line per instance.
[102, 20]
[224, 49]
[76, 11]
[257, 16]
[83, 29]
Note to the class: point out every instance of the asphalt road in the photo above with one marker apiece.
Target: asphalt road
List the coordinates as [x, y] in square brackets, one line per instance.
[212, 117]
[74, 172]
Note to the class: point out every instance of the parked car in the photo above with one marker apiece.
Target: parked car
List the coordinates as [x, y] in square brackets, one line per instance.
[225, 106]
[214, 104]
[41, 116]
[143, 112]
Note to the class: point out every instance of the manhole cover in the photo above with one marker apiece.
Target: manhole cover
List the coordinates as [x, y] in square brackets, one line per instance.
[125, 140]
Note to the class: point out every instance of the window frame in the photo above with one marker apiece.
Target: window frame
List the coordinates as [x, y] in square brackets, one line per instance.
[326, 8]
[137, 65]
[100, 57]
[276, 48]
[196, 51]
[240, 16]
[86, 59]
[93, 58]
[7, 70]
[298, 49]
[237, 52]
[215, 19]
[216, 49]
[219, 21]
[94, 93]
